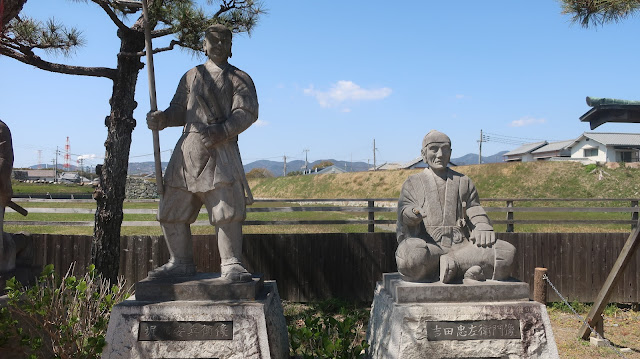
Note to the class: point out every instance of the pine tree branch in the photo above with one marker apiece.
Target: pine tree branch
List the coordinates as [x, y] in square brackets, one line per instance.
[162, 32]
[226, 6]
[112, 15]
[34, 60]
[155, 51]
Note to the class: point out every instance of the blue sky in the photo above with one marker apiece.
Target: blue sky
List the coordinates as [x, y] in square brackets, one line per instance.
[332, 76]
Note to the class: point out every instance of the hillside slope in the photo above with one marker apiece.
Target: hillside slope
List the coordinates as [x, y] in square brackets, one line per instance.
[516, 180]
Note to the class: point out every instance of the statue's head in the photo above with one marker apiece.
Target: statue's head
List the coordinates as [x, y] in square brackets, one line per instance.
[217, 43]
[436, 150]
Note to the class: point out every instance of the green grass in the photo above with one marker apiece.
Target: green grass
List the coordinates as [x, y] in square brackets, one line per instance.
[43, 188]
[502, 180]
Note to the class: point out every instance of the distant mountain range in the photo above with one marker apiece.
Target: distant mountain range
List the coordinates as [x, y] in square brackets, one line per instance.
[277, 168]
[472, 159]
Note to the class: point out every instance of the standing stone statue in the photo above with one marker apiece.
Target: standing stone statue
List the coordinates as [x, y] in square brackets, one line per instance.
[442, 230]
[214, 102]
[7, 245]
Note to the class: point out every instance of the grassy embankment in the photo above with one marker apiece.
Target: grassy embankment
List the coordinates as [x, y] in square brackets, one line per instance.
[502, 180]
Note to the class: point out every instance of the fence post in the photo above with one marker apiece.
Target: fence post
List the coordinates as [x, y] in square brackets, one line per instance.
[634, 215]
[540, 285]
[510, 226]
[371, 227]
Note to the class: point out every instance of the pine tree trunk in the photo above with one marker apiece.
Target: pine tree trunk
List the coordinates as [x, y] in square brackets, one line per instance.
[120, 124]
[9, 9]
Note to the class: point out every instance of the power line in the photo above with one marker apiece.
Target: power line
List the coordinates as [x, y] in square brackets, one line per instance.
[509, 140]
[149, 154]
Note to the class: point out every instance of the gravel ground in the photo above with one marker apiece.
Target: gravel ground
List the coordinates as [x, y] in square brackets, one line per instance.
[621, 328]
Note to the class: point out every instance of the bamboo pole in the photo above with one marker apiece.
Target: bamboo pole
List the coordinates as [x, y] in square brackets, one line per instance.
[152, 95]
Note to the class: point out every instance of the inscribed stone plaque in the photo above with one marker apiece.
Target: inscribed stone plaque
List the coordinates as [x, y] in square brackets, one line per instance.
[473, 330]
[183, 331]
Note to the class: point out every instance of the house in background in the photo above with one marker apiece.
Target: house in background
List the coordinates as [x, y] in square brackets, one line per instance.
[46, 175]
[524, 152]
[552, 150]
[388, 166]
[331, 169]
[69, 177]
[607, 147]
[590, 147]
[417, 162]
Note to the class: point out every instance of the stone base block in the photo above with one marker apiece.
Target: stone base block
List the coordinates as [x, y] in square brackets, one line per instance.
[457, 329]
[487, 291]
[597, 342]
[223, 329]
[202, 286]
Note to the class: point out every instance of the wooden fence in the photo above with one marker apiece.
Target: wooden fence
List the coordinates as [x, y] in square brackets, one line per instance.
[368, 211]
[310, 267]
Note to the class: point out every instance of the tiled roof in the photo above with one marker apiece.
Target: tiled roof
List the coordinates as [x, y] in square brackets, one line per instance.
[553, 146]
[614, 139]
[526, 148]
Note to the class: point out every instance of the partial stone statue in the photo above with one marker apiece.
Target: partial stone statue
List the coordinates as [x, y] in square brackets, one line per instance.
[443, 232]
[7, 244]
[214, 102]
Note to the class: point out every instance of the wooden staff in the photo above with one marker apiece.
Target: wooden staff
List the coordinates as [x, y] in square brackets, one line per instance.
[152, 95]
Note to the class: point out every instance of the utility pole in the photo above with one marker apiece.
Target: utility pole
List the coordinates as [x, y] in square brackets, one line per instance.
[55, 168]
[374, 155]
[284, 173]
[39, 159]
[480, 150]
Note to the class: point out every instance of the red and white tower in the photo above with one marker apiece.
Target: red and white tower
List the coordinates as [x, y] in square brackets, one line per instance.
[67, 156]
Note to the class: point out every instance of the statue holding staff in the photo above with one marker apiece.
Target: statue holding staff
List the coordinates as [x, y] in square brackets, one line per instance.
[214, 102]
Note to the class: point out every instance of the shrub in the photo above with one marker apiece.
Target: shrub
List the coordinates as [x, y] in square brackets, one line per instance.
[260, 173]
[328, 329]
[327, 337]
[62, 317]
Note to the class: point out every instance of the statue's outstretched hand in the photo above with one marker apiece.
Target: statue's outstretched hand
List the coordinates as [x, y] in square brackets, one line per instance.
[413, 216]
[156, 120]
[483, 235]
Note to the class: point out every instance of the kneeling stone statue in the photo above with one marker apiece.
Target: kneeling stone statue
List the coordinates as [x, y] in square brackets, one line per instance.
[443, 232]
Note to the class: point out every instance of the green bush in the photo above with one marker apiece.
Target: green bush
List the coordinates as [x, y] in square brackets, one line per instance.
[326, 337]
[60, 317]
[327, 329]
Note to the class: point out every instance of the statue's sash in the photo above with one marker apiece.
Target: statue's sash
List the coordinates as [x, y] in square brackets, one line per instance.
[441, 218]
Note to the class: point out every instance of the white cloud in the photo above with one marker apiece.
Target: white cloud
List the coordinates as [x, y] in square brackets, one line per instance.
[87, 157]
[261, 123]
[527, 121]
[460, 96]
[345, 91]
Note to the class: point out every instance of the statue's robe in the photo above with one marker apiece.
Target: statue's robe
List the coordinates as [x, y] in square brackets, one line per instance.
[450, 214]
[224, 93]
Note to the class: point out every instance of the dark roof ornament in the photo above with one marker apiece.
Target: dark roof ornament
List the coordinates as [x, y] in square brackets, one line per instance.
[611, 110]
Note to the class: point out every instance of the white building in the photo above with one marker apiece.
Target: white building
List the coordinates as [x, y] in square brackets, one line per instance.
[606, 147]
[590, 147]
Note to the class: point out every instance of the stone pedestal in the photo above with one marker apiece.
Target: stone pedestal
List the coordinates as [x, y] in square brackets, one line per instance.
[248, 326]
[473, 320]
